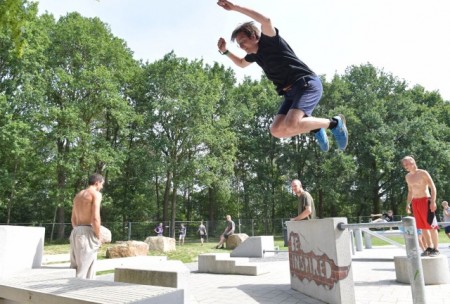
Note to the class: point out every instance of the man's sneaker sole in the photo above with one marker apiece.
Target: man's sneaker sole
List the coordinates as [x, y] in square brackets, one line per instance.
[340, 132]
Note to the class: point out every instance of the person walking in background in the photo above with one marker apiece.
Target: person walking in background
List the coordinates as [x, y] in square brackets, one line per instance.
[182, 235]
[159, 229]
[85, 238]
[229, 230]
[384, 218]
[202, 232]
[293, 79]
[423, 203]
[306, 209]
[446, 213]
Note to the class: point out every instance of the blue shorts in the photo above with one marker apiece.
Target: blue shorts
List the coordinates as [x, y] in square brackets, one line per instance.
[447, 229]
[304, 95]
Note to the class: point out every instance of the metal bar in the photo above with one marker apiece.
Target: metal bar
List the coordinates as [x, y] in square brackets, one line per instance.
[412, 252]
[343, 226]
[382, 237]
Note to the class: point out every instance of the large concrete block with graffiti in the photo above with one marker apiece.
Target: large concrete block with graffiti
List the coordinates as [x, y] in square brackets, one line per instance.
[320, 260]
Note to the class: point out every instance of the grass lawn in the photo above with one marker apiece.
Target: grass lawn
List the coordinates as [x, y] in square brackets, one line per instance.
[192, 248]
[187, 253]
[377, 242]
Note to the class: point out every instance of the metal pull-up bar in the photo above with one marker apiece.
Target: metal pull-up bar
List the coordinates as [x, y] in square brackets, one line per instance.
[412, 252]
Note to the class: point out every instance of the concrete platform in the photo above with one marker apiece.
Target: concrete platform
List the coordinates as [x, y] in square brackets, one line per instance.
[52, 289]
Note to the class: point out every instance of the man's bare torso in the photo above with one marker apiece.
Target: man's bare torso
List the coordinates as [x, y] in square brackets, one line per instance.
[418, 183]
[83, 207]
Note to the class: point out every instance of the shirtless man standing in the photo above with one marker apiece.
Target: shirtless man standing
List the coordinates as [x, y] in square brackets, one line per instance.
[85, 237]
[423, 204]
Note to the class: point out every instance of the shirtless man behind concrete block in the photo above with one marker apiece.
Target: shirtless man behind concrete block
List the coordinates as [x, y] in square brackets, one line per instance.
[420, 184]
[85, 237]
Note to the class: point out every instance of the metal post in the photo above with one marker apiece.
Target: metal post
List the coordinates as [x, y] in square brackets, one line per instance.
[352, 234]
[358, 239]
[129, 230]
[412, 252]
[367, 240]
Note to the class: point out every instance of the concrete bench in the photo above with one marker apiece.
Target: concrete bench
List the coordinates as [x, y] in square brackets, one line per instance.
[166, 274]
[222, 263]
[50, 288]
[435, 270]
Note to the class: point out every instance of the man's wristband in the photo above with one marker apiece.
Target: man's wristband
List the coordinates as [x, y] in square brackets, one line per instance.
[224, 53]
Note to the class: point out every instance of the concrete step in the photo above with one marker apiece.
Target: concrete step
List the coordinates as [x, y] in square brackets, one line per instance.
[222, 263]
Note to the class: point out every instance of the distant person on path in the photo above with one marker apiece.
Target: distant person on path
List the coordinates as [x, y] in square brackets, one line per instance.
[159, 229]
[384, 218]
[306, 209]
[423, 203]
[446, 213]
[293, 79]
[229, 230]
[202, 232]
[182, 234]
[85, 238]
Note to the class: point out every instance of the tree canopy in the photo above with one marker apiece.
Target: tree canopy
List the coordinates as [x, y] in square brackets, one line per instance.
[179, 139]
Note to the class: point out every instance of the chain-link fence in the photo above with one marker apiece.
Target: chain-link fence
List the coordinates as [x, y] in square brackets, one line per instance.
[139, 231]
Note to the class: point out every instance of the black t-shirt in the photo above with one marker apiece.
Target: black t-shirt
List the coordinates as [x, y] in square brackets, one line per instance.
[279, 62]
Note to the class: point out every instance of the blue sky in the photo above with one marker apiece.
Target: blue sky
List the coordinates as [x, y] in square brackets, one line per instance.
[408, 38]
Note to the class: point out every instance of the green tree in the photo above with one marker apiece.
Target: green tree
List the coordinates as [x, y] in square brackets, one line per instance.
[86, 110]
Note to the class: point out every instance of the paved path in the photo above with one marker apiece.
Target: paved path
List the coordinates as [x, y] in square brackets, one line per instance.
[373, 274]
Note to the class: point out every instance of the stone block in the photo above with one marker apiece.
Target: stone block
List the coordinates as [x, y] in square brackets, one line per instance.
[161, 243]
[235, 240]
[127, 249]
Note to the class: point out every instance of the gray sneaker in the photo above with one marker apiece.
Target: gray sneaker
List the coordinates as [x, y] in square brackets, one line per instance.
[340, 132]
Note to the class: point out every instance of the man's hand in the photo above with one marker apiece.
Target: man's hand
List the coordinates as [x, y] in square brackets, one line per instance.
[433, 207]
[222, 45]
[226, 5]
[408, 209]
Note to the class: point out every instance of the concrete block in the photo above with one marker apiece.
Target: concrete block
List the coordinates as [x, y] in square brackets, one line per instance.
[320, 260]
[21, 249]
[166, 274]
[435, 270]
[254, 247]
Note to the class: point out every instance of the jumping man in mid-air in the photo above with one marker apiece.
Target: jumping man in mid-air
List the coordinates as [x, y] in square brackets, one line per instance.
[300, 86]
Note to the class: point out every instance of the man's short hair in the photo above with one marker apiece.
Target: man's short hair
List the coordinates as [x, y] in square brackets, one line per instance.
[95, 178]
[248, 28]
